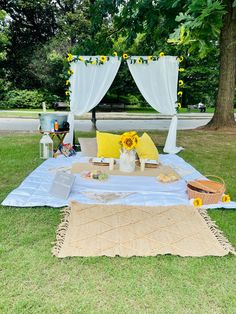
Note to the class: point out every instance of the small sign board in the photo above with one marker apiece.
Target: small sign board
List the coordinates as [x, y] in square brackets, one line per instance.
[62, 185]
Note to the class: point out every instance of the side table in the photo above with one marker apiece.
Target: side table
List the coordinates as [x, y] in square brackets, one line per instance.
[60, 135]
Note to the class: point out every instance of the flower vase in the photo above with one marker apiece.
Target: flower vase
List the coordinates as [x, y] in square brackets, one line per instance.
[127, 160]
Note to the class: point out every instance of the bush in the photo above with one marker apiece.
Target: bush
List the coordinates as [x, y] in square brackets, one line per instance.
[133, 100]
[22, 99]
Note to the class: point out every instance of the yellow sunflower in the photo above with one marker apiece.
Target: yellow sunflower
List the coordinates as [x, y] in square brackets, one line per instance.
[150, 58]
[181, 69]
[67, 82]
[161, 54]
[180, 93]
[129, 140]
[132, 133]
[115, 54]
[103, 58]
[179, 105]
[67, 93]
[139, 60]
[81, 58]
[128, 143]
[226, 198]
[69, 57]
[94, 62]
[197, 202]
[181, 82]
[70, 72]
[125, 56]
[180, 59]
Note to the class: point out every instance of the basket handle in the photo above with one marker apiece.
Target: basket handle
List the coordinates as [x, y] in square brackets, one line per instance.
[213, 176]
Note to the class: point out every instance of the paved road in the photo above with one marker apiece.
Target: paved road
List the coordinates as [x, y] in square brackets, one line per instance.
[31, 125]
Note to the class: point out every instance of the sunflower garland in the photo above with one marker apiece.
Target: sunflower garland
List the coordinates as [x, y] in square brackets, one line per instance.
[181, 82]
[103, 59]
[139, 60]
[179, 105]
[69, 57]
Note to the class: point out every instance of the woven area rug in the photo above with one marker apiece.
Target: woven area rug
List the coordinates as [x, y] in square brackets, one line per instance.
[110, 230]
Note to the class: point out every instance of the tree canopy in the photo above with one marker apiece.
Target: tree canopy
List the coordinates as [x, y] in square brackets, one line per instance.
[35, 36]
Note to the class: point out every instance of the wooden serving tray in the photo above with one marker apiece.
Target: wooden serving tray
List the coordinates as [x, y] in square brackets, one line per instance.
[100, 163]
[147, 165]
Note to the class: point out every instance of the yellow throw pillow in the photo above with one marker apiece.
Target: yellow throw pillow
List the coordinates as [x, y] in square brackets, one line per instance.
[146, 149]
[108, 145]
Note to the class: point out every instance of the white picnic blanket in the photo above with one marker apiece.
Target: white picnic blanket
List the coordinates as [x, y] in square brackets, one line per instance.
[129, 190]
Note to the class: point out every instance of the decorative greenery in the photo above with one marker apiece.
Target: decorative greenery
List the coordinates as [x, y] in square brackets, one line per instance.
[102, 59]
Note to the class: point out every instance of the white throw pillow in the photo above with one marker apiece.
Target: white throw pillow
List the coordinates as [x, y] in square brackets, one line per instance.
[88, 146]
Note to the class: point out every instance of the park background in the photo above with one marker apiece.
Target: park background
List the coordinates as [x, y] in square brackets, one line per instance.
[35, 37]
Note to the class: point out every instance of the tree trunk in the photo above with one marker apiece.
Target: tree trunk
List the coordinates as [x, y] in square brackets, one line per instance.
[224, 112]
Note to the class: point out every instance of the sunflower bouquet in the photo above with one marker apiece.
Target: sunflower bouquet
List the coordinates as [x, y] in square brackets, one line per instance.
[129, 140]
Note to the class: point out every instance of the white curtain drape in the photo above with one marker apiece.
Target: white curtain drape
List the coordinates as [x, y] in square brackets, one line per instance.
[157, 82]
[88, 85]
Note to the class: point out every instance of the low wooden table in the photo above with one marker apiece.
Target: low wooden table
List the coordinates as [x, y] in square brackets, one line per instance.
[60, 135]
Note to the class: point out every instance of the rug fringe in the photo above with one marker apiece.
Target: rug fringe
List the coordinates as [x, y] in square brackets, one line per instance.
[224, 242]
[61, 230]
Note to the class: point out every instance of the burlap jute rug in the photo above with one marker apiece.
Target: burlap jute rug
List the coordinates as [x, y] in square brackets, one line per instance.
[110, 230]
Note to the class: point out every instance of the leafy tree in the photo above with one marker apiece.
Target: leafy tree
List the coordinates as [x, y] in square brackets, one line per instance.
[31, 23]
[204, 25]
[4, 41]
[146, 26]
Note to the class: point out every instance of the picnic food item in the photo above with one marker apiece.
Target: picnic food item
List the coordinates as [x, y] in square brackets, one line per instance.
[101, 161]
[166, 178]
[96, 174]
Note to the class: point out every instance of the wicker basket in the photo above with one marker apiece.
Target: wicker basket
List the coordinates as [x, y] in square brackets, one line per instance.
[209, 191]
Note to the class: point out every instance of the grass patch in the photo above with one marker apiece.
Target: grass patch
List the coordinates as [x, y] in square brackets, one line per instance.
[32, 281]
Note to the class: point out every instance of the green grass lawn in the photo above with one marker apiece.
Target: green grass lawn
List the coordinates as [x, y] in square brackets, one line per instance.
[33, 281]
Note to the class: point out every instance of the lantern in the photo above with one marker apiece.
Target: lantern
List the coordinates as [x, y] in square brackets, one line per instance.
[46, 146]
